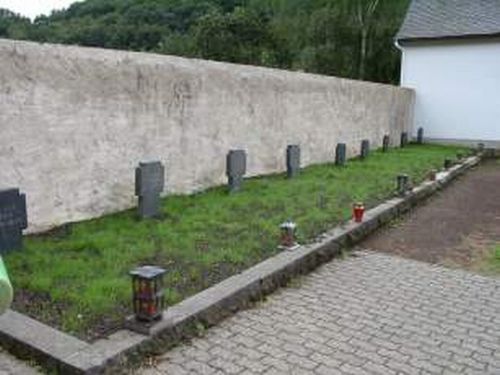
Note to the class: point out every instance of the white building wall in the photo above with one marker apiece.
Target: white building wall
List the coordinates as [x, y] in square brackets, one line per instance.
[457, 88]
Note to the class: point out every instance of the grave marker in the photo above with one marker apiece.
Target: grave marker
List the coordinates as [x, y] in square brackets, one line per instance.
[386, 142]
[340, 154]
[236, 167]
[13, 219]
[149, 183]
[404, 139]
[365, 148]
[292, 161]
[420, 136]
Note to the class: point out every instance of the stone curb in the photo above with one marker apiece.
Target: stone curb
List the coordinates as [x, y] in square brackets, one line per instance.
[55, 350]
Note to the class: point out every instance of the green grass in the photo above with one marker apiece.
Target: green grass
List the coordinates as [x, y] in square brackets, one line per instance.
[81, 276]
[495, 260]
[491, 264]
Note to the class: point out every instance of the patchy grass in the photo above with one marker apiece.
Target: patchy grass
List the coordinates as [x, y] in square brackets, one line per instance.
[491, 264]
[76, 278]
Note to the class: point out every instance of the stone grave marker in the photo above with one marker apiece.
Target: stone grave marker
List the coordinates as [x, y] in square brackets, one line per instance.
[386, 142]
[404, 139]
[340, 154]
[13, 219]
[365, 148]
[149, 183]
[236, 167]
[292, 161]
[420, 136]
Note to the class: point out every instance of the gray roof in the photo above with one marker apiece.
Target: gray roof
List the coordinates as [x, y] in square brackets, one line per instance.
[445, 19]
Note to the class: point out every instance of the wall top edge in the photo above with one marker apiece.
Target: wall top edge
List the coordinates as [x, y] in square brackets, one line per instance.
[145, 58]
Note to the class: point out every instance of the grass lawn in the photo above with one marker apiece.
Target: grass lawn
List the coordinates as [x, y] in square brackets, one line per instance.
[76, 278]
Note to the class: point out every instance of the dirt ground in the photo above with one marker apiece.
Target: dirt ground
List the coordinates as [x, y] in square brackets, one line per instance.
[457, 227]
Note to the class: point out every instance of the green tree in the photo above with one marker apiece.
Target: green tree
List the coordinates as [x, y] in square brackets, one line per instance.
[347, 38]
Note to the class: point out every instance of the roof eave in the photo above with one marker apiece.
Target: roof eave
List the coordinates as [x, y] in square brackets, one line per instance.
[408, 40]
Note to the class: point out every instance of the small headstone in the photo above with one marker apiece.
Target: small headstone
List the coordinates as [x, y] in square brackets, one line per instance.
[292, 161]
[404, 139]
[420, 136]
[386, 142]
[365, 148]
[236, 167]
[340, 154]
[13, 219]
[149, 183]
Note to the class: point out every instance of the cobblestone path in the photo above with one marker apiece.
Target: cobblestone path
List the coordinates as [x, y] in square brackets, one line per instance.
[369, 314]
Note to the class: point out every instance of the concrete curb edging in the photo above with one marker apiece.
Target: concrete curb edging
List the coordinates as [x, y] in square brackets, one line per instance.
[28, 338]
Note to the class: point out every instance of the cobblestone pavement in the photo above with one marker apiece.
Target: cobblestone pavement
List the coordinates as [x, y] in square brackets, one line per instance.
[369, 314]
[12, 366]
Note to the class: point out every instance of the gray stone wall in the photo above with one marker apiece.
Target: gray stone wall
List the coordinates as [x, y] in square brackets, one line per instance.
[75, 122]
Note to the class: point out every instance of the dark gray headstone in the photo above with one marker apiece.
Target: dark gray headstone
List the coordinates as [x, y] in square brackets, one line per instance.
[365, 148]
[292, 161]
[420, 136]
[13, 219]
[236, 167]
[386, 142]
[340, 154]
[404, 139]
[149, 183]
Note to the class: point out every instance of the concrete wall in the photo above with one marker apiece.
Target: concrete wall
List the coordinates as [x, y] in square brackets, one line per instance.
[456, 84]
[76, 121]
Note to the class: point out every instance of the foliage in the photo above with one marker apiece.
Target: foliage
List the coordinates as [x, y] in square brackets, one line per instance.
[78, 278]
[347, 38]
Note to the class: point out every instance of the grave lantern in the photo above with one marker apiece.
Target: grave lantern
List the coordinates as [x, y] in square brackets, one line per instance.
[358, 210]
[403, 184]
[288, 233]
[147, 293]
[433, 175]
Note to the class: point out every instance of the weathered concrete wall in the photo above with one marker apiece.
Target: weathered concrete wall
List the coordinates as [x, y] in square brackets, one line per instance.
[76, 121]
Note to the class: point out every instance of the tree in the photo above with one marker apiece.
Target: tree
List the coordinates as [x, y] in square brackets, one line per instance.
[364, 15]
[347, 38]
